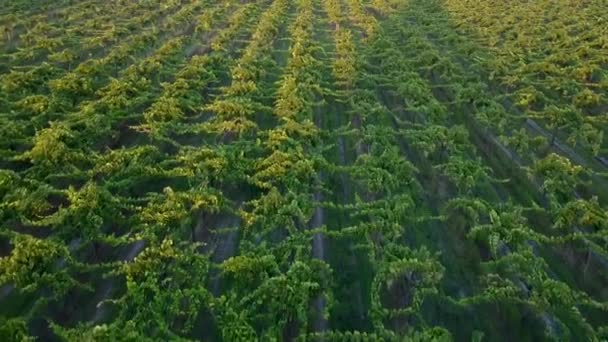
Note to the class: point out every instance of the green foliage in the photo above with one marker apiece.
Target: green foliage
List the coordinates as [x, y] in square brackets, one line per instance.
[335, 158]
[32, 265]
[50, 146]
[14, 329]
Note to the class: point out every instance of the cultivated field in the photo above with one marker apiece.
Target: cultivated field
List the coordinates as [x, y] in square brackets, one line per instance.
[310, 170]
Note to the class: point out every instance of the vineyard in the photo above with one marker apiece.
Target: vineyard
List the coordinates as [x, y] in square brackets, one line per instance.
[303, 170]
